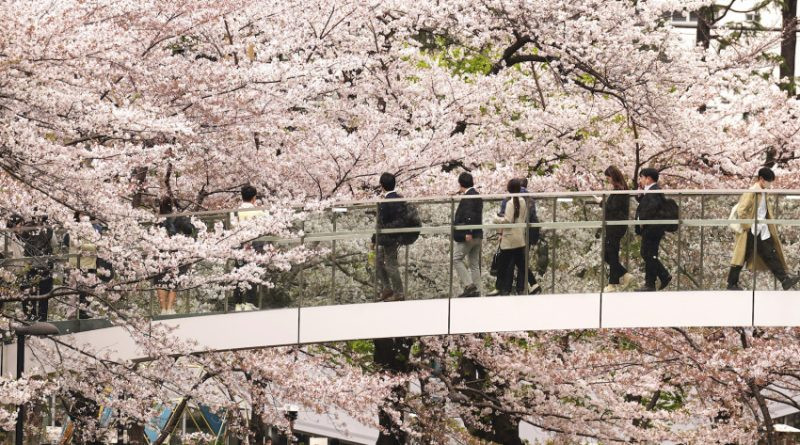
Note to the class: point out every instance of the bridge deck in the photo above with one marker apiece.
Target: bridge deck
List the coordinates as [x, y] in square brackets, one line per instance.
[306, 325]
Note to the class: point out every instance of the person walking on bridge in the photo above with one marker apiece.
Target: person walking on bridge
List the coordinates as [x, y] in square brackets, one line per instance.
[768, 249]
[386, 246]
[617, 208]
[468, 242]
[650, 205]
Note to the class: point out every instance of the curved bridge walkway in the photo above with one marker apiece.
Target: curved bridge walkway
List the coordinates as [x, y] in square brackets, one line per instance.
[699, 252]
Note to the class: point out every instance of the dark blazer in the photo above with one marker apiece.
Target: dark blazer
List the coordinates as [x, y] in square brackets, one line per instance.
[469, 212]
[617, 209]
[390, 216]
[649, 206]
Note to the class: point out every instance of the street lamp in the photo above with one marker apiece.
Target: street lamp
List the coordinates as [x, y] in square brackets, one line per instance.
[38, 329]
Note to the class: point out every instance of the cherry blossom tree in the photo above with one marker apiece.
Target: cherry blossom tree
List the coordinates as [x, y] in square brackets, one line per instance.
[110, 106]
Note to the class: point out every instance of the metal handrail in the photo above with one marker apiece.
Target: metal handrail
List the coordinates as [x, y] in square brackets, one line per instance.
[306, 237]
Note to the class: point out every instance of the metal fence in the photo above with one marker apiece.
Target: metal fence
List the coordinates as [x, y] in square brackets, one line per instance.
[569, 259]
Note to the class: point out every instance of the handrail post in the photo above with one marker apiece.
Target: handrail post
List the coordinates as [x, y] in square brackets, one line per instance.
[553, 250]
[603, 229]
[524, 273]
[754, 229]
[452, 244]
[333, 257]
[680, 243]
[702, 243]
[376, 292]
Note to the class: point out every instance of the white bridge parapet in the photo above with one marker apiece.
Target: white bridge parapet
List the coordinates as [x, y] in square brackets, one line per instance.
[414, 318]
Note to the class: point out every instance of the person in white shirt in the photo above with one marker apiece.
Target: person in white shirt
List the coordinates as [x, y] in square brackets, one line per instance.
[762, 235]
[243, 299]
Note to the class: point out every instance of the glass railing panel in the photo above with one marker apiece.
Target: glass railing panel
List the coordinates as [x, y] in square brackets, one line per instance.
[424, 266]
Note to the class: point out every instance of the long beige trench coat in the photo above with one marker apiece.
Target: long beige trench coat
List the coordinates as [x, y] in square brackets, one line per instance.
[748, 206]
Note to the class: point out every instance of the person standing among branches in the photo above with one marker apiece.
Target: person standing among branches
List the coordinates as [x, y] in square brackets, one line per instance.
[174, 225]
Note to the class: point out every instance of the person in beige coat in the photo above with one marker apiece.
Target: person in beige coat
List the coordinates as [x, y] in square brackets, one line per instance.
[768, 249]
[512, 244]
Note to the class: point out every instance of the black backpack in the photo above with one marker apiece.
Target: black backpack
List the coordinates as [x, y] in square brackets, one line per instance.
[534, 233]
[410, 219]
[669, 210]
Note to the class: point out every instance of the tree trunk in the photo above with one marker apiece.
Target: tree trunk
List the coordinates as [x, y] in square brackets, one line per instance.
[788, 45]
[391, 354]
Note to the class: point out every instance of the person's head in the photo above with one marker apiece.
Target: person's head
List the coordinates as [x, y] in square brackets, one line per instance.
[648, 176]
[268, 441]
[165, 205]
[79, 216]
[765, 177]
[387, 181]
[515, 186]
[615, 178]
[465, 181]
[249, 193]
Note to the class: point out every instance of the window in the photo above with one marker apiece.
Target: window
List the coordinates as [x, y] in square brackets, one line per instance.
[753, 17]
[682, 17]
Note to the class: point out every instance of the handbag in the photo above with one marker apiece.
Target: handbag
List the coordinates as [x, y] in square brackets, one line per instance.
[735, 227]
[495, 261]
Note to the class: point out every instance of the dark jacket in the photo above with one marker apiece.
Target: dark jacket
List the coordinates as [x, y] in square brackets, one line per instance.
[617, 208]
[649, 208]
[469, 212]
[178, 225]
[36, 241]
[390, 216]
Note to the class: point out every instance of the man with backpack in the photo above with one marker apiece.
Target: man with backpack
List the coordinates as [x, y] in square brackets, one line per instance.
[392, 215]
[652, 206]
[768, 249]
[468, 242]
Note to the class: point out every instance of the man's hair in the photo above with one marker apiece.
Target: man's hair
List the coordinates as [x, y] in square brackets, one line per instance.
[465, 180]
[523, 182]
[248, 193]
[649, 173]
[766, 174]
[387, 181]
[165, 205]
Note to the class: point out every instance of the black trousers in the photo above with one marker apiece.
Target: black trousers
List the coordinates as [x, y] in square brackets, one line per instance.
[653, 268]
[38, 281]
[611, 255]
[245, 295]
[508, 262]
[768, 254]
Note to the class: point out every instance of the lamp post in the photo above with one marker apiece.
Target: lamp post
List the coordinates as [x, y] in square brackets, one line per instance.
[37, 329]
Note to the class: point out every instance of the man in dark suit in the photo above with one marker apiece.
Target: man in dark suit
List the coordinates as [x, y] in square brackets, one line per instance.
[468, 242]
[390, 216]
[649, 208]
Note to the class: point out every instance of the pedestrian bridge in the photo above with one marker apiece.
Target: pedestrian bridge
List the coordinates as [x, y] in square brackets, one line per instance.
[337, 305]
[414, 318]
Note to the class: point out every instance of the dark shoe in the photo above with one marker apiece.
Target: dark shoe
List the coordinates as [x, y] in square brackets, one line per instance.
[665, 283]
[733, 278]
[790, 282]
[646, 289]
[469, 292]
[387, 295]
